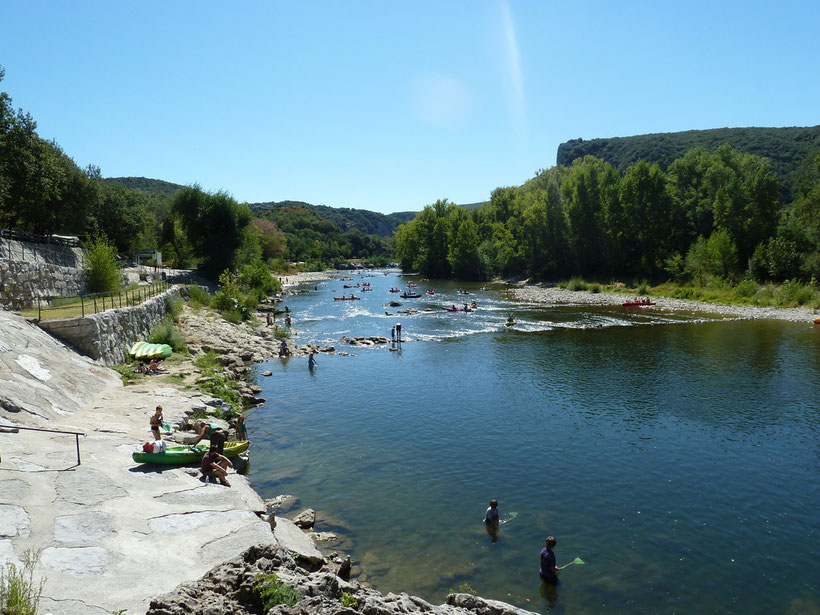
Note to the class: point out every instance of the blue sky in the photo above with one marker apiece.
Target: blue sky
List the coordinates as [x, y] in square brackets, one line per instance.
[391, 105]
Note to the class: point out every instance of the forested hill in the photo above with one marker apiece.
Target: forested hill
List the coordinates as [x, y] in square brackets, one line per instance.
[368, 222]
[786, 147]
[145, 184]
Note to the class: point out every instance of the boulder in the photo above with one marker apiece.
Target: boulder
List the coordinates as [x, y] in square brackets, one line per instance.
[305, 519]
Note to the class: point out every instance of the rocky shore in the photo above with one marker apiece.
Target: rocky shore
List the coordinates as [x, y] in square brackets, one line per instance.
[541, 294]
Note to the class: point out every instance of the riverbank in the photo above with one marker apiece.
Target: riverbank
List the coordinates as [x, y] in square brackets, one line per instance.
[543, 294]
[111, 535]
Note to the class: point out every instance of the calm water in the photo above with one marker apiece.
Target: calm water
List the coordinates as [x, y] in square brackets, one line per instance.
[676, 454]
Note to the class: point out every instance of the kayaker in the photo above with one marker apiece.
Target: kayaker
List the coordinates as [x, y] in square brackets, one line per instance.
[548, 570]
[215, 465]
[156, 421]
[491, 516]
[214, 433]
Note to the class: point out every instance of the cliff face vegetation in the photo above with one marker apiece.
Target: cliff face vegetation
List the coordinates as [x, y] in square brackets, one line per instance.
[787, 148]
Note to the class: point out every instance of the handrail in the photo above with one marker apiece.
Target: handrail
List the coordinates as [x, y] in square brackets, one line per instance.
[76, 434]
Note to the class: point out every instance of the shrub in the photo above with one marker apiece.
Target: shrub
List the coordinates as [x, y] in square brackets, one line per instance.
[19, 595]
[101, 265]
[280, 332]
[642, 288]
[174, 306]
[272, 592]
[794, 293]
[576, 284]
[199, 296]
[207, 361]
[595, 288]
[746, 288]
[166, 333]
[348, 601]
[232, 315]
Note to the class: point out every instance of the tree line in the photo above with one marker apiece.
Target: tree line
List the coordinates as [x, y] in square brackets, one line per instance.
[708, 214]
[43, 191]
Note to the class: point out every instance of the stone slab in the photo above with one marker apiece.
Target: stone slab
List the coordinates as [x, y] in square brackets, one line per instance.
[79, 561]
[289, 536]
[14, 521]
[89, 526]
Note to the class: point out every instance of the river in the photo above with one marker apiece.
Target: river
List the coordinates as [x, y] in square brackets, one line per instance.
[675, 453]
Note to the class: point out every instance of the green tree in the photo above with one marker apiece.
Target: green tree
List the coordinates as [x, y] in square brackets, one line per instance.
[697, 260]
[462, 252]
[101, 265]
[721, 253]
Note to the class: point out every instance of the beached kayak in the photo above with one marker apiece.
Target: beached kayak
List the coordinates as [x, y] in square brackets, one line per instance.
[183, 455]
[144, 350]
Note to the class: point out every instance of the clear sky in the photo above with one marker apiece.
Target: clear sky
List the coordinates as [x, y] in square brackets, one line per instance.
[390, 105]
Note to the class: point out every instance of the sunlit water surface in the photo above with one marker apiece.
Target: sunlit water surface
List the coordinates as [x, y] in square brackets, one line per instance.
[677, 454]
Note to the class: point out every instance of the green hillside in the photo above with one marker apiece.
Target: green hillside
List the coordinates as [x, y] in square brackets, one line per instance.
[347, 219]
[144, 184]
[786, 147]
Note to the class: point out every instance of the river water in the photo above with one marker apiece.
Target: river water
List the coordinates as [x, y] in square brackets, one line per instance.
[675, 453]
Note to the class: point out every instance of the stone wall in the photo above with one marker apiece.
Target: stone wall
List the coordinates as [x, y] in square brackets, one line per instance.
[23, 283]
[31, 271]
[107, 336]
[41, 253]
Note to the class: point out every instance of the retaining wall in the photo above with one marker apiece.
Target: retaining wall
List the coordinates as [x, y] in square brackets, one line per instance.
[31, 271]
[107, 336]
[22, 283]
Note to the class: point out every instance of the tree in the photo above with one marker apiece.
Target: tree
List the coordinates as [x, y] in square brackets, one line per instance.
[101, 265]
[722, 254]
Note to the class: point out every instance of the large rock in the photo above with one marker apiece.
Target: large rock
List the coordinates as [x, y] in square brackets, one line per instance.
[228, 590]
[289, 536]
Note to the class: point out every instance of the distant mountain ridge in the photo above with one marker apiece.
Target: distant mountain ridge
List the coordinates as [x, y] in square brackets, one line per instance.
[786, 147]
[152, 186]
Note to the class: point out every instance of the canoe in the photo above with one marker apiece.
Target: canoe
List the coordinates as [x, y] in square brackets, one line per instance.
[636, 303]
[431, 292]
[817, 321]
[346, 298]
[509, 323]
[144, 350]
[407, 295]
[183, 455]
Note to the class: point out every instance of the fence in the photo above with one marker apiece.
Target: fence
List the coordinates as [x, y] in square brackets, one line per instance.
[80, 305]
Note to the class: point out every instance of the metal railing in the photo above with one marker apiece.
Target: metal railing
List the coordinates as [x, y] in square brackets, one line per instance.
[76, 434]
[99, 302]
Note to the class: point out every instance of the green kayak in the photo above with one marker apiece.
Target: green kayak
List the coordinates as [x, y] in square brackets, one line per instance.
[183, 455]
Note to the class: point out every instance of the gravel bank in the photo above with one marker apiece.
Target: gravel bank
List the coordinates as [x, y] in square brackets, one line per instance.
[543, 295]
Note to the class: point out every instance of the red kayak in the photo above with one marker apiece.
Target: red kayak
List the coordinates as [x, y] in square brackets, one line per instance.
[640, 303]
[395, 290]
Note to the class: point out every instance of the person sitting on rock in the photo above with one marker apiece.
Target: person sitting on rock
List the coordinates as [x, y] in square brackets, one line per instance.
[215, 465]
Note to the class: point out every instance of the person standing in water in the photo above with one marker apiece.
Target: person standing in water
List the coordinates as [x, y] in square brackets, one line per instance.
[549, 570]
[311, 360]
[491, 516]
[398, 331]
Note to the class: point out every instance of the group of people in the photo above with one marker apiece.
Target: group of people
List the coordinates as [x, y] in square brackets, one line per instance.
[153, 368]
[395, 333]
[214, 464]
[549, 568]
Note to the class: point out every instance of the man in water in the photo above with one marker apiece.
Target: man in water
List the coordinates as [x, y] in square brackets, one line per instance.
[311, 360]
[491, 516]
[548, 570]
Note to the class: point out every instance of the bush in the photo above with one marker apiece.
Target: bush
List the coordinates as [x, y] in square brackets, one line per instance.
[258, 277]
[280, 332]
[595, 288]
[207, 361]
[166, 333]
[746, 288]
[174, 306]
[198, 296]
[101, 265]
[272, 592]
[642, 288]
[232, 315]
[348, 601]
[576, 284]
[18, 593]
[794, 293]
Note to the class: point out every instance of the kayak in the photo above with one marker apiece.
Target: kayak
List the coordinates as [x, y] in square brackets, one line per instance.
[346, 298]
[144, 350]
[183, 455]
[510, 322]
[431, 292]
[406, 295]
[452, 309]
[637, 303]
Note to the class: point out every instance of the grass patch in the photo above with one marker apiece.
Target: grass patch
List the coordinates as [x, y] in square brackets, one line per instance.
[280, 332]
[127, 374]
[198, 297]
[272, 592]
[19, 594]
[576, 284]
[207, 361]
